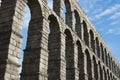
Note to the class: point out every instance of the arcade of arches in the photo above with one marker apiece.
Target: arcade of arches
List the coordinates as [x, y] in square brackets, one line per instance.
[56, 48]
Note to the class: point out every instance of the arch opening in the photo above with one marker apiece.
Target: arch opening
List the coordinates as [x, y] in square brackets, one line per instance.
[81, 61]
[105, 57]
[77, 24]
[92, 41]
[54, 49]
[89, 65]
[27, 17]
[111, 76]
[32, 28]
[100, 71]
[108, 60]
[97, 47]
[105, 74]
[110, 64]
[85, 34]
[64, 11]
[108, 76]
[102, 53]
[69, 55]
[95, 68]
[113, 67]
[69, 13]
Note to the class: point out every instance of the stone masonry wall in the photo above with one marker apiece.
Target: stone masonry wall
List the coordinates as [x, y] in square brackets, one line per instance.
[58, 47]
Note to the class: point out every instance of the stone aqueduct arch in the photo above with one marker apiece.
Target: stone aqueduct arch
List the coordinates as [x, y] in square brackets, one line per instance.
[55, 50]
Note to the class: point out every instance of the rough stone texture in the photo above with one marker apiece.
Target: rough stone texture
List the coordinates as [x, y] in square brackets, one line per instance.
[56, 49]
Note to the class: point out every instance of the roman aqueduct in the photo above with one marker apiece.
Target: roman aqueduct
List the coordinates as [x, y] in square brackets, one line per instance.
[57, 48]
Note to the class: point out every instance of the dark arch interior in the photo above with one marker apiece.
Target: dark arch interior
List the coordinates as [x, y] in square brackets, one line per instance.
[68, 6]
[80, 60]
[108, 60]
[105, 74]
[35, 9]
[69, 55]
[77, 24]
[111, 76]
[85, 34]
[100, 70]
[108, 76]
[92, 40]
[34, 27]
[53, 25]
[106, 57]
[114, 67]
[54, 49]
[34, 24]
[76, 20]
[89, 65]
[68, 17]
[102, 52]
[27, 17]
[97, 47]
[66, 10]
[111, 63]
[95, 68]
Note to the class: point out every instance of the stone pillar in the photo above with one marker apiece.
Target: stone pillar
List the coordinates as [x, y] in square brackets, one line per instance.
[76, 75]
[35, 62]
[56, 63]
[94, 49]
[10, 38]
[92, 66]
[58, 6]
[62, 56]
[71, 59]
[98, 72]
[45, 2]
[70, 19]
[103, 74]
[96, 77]
[78, 29]
[82, 67]
[88, 37]
[97, 47]
[82, 32]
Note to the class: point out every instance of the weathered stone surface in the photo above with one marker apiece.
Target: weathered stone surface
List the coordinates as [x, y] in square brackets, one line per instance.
[57, 48]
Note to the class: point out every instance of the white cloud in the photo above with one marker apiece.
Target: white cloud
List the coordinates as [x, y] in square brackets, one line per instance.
[97, 10]
[110, 31]
[115, 31]
[115, 22]
[27, 17]
[115, 16]
[86, 3]
[109, 11]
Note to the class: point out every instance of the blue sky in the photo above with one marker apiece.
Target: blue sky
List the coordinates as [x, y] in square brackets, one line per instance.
[104, 15]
